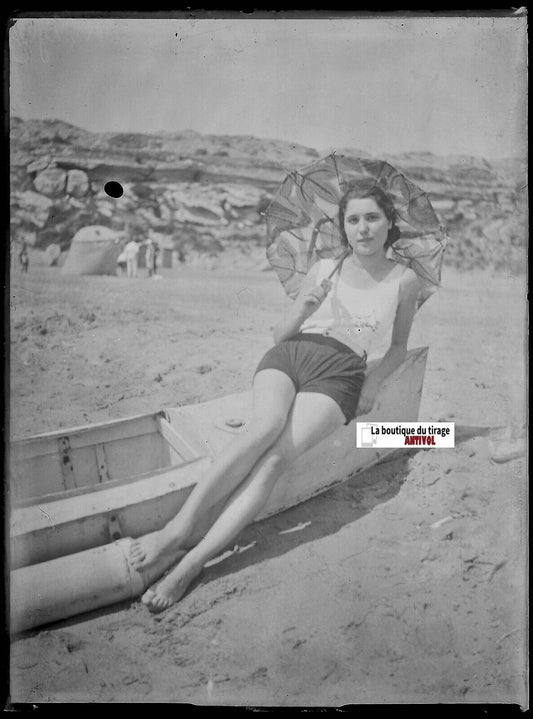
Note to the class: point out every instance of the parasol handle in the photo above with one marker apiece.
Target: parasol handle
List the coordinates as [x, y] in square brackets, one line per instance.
[339, 263]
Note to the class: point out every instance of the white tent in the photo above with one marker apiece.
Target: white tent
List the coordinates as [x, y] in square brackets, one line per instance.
[94, 251]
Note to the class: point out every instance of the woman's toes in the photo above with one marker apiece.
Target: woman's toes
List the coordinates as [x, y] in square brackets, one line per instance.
[136, 559]
[136, 549]
[155, 602]
[161, 603]
[148, 597]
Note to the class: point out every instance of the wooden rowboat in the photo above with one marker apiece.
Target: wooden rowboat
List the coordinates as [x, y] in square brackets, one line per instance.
[78, 495]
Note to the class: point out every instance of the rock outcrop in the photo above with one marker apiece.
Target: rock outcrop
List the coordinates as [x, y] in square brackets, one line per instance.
[201, 193]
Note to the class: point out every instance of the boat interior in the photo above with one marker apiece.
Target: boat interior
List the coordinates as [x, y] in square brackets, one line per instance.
[74, 461]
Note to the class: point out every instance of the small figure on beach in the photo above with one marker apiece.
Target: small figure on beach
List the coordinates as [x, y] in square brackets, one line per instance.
[149, 257]
[154, 261]
[310, 383]
[24, 257]
[132, 258]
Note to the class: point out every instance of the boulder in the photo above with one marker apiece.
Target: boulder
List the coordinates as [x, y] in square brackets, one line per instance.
[127, 202]
[148, 215]
[74, 204]
[31, 208]
[104, 207]
[78, 184]
[241, 195]
[22, 235]
[51, 182]
[198, 216]
[39, 165]
[165, 212]
[492, 230]
[443, 206]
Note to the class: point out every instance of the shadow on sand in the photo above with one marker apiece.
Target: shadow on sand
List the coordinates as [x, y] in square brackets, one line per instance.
[322, 515]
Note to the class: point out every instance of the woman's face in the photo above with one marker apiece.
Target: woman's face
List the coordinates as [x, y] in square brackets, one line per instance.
[366, 226]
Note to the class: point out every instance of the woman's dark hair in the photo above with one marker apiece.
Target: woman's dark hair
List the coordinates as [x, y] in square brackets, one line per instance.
[368, 188]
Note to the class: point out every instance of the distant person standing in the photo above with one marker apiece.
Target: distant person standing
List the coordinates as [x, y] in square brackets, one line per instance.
[150, 257]
[132, 258]
[24, 258]
[156, 252]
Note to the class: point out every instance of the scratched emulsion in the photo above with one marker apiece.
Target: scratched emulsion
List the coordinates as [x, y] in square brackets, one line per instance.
[47, 515]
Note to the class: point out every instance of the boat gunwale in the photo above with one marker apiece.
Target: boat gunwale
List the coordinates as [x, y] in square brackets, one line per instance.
[90, 489]
[84, 428]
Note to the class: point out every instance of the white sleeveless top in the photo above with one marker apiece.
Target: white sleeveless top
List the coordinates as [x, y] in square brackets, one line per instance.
[360, 318]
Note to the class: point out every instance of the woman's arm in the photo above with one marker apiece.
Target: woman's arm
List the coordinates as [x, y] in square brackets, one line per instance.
[395, 355]
[308, 301]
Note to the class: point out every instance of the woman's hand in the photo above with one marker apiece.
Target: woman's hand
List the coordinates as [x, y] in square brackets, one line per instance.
[368, 395]
[309, 300]
[312, 300]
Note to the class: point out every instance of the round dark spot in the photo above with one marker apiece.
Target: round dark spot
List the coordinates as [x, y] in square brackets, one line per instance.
[113, 189]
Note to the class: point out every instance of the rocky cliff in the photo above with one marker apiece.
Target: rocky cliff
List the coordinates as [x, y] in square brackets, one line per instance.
[200, 194]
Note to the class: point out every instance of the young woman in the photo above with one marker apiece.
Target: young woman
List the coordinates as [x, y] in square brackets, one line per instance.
[306, 387]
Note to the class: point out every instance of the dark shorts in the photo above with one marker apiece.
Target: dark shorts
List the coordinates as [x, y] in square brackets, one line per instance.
[316, 363]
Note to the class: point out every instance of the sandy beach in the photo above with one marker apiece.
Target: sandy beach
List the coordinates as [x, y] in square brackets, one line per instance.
[404, 584]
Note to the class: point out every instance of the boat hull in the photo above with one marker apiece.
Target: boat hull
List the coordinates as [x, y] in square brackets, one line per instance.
[47, 528]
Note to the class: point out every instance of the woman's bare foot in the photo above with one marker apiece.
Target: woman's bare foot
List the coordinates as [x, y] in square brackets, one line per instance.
[171, 588]
[155, 553]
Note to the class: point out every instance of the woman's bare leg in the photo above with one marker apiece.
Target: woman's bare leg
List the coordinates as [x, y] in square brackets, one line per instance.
[273, 395]
[312, 418]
